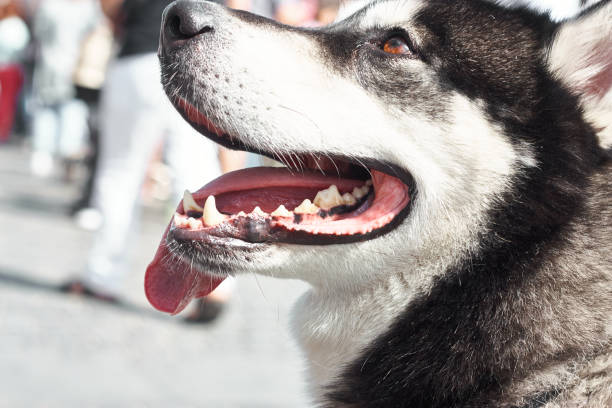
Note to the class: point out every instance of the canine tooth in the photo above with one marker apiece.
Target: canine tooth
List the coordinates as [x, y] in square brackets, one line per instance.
[348, 199]
[211, 215]
[281, 211]
[369, 183]
[189, 203]
[328, 198]
[258, 211]
[307, 207]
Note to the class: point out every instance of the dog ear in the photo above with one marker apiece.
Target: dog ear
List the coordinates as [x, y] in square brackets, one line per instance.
[581, 56]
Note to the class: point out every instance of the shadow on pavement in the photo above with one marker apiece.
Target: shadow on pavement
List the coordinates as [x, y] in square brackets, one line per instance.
[14, 278]
[37, 204]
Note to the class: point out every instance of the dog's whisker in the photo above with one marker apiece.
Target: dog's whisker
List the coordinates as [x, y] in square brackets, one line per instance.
[261, 291]
[316, 161]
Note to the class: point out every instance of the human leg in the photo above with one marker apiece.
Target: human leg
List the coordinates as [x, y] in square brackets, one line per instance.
[44, 140]
[72, 128]
[129, 132]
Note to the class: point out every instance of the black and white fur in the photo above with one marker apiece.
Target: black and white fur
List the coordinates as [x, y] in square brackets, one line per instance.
[496, 290]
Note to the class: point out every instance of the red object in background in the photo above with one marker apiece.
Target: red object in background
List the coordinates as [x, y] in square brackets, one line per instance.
[11, 80]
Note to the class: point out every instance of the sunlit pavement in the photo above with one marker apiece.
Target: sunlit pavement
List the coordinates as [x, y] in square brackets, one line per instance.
[62, 351]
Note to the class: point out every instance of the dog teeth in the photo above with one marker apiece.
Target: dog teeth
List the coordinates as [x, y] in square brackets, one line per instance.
[360, 192]
[258, 211]
[189, 203]
[348, 199]
[328, 198]
[179, 220]
[211, 216]
[307, 207]
[325, 199]
[281, 211]
[194, 223]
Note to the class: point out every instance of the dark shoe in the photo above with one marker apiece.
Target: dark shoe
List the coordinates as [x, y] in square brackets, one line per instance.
[206, 311]
[77, 287]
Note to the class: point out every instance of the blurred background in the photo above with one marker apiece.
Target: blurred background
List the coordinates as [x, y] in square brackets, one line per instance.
[93, 161]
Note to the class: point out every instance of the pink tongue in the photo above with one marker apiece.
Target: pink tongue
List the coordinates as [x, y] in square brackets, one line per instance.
[170, 283]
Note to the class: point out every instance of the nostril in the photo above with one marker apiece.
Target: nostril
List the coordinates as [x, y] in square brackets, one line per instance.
[183, 24]
[174, 27]
[205, 29]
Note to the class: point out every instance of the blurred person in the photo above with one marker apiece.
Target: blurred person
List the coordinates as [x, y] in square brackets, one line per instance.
[327, 11]
[29, 7]
[296, 12]
[266, 8]
[291, 12]
[135, 115]
[89, 77]
[59, 121]
[14, 37]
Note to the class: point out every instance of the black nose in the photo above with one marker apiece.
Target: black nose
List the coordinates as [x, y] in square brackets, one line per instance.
[184, 20]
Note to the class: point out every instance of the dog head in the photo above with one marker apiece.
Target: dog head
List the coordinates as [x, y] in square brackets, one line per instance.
[448, 109]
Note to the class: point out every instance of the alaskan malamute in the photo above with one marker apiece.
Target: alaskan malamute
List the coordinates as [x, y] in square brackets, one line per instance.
[447, 194]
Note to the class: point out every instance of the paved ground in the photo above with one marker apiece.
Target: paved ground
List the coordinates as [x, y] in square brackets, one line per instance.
[59, 351]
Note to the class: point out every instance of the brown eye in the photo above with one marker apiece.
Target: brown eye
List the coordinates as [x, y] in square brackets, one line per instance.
[396, 45]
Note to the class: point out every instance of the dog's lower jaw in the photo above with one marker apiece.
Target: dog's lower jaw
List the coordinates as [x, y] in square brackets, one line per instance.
[333, 328]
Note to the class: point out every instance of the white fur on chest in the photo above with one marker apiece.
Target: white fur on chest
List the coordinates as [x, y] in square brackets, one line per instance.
[334, 328]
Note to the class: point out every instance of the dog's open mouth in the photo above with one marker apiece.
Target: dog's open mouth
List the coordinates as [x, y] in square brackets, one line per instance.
[328, 200]
[267, 204]
[331, 200]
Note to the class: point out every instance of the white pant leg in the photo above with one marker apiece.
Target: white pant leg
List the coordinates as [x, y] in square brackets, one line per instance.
[130, 129]
[73, 127]
[45, 124]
